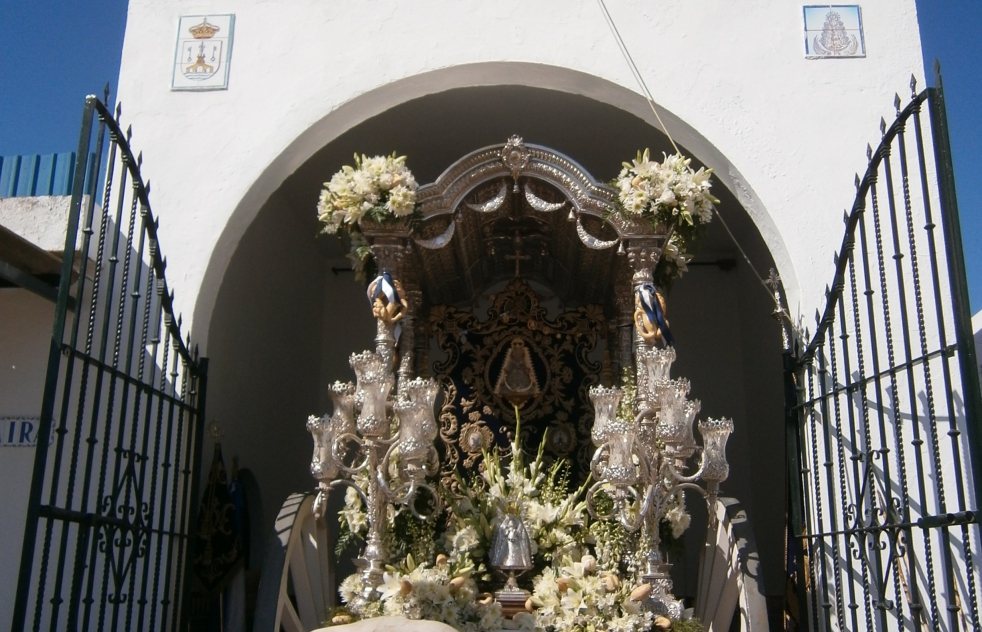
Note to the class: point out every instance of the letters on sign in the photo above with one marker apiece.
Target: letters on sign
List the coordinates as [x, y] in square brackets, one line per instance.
[19, 432]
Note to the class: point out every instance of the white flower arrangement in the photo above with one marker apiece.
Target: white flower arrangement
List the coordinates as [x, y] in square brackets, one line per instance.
[434, 593]
[677, 517]
[574, 596]
[380, 188]
[669, 190]
[668, 193]
[574, 590]
[554, 518]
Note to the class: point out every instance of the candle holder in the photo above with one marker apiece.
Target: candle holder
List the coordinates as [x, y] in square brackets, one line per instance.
[639, 464]
[388, 445]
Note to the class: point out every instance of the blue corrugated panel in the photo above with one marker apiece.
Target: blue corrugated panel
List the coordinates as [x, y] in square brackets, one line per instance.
[26, 176]
[9, 172]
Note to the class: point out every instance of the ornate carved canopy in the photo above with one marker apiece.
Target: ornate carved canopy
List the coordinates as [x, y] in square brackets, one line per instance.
[521, 211]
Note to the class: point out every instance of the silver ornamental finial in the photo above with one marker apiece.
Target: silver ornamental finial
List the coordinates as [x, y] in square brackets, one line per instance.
[515, 156]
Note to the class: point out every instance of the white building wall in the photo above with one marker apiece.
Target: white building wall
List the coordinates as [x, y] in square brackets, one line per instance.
[25, 336]
[784, 133]
[977, 334]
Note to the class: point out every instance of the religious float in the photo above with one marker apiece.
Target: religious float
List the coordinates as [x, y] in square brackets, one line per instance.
[517, 481]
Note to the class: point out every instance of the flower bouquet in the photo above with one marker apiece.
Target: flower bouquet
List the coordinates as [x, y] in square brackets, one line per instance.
[379, 189]
[669, 193]
[577, 584]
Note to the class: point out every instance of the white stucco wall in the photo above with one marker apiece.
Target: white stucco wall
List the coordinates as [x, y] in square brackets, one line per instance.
[25, 336]
[977, 335]
[784, 133]
[39, 220]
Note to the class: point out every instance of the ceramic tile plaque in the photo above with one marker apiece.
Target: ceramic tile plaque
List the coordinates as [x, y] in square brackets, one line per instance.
[834, 30]
[204, 48]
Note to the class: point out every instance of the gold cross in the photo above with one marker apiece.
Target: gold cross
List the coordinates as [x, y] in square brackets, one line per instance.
[518, 256]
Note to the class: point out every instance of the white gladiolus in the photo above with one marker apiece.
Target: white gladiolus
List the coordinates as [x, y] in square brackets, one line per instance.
[465, 539]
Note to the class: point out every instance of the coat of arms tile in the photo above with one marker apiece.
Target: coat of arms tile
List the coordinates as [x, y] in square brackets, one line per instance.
[204, 48]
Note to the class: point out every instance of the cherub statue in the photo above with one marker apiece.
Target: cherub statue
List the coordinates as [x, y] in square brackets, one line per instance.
[388, 299]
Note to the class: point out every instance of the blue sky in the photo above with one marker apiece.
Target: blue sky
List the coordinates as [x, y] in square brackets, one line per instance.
[53, 53]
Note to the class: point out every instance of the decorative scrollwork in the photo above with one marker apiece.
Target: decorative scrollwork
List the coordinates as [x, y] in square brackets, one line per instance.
[122, 534]
[515, 156]
[474, 417]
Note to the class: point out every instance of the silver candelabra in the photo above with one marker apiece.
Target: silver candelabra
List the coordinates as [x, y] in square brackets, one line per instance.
[639, 463]
[380, 446]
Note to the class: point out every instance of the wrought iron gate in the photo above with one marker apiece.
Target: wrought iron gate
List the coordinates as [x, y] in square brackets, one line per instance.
[884, 435]
[106, 542]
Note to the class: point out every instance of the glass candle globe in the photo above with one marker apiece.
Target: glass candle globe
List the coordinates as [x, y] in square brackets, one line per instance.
[605, 401]
[671, 417]
[714, 433]
[424, 392]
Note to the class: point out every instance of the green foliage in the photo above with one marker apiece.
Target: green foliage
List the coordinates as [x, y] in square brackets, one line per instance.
[347, 540]
[688, 625]
[625, 410]
[343, 614]
[611, 541]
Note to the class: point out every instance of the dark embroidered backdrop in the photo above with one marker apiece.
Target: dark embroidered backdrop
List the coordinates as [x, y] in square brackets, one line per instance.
[561, 351]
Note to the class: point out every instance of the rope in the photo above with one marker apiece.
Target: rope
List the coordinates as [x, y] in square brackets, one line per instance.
[651, 103]
[637, 73]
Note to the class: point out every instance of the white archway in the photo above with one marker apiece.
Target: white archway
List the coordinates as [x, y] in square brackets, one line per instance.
[370, 104]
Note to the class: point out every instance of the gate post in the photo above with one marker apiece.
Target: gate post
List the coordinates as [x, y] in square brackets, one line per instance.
[53, 371]
[202, 390]
[796, 517]
[954, 253]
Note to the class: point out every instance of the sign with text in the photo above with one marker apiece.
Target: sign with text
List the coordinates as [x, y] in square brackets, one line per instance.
[19, 432]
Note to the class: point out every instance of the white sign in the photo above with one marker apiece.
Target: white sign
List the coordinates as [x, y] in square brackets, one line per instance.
[204, 48]
[19, 432]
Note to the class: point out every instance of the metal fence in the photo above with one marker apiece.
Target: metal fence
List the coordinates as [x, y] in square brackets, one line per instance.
[106, 543]
[883, 415]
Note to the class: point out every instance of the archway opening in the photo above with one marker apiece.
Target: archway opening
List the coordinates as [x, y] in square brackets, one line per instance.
[287, 315]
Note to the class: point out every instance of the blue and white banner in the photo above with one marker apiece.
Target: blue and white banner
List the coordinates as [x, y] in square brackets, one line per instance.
[651, 306]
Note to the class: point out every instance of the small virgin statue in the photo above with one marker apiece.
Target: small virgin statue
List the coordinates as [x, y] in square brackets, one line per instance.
[511, 547]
